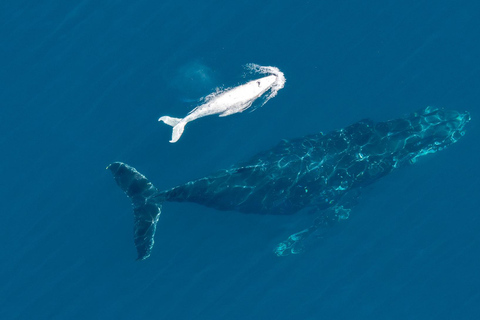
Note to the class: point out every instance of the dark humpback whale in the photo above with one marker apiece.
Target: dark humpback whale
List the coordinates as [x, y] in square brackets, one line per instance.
[322, 171]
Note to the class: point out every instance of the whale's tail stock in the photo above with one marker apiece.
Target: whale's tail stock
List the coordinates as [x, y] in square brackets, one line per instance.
[147, 205]
[177, 124]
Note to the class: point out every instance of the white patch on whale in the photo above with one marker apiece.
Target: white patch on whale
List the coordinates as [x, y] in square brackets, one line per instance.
[232, 100]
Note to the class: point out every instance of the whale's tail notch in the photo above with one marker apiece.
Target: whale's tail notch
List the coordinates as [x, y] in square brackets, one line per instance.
[147, 205]
[177, 124]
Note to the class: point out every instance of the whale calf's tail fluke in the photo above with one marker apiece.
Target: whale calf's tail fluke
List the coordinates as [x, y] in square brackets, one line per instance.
[147, 205]
[177, 124]
[170, 120]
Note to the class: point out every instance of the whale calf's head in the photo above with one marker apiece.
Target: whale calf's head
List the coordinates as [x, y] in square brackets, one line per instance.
[426, 132]
[265, 83]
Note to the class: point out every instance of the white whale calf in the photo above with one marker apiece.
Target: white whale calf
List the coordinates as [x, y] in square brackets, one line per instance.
[231, 101]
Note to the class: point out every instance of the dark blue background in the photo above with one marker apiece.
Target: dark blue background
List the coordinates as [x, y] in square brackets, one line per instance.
[82, 84]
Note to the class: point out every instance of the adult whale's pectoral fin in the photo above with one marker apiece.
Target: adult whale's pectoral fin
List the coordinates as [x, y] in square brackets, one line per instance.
[294, 243]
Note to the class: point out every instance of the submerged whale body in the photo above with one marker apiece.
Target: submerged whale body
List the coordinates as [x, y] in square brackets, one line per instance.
[322, 171]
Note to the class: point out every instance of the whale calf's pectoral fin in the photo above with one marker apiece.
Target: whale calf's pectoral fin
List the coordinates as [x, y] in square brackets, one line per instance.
[227, 113]
[236, 109]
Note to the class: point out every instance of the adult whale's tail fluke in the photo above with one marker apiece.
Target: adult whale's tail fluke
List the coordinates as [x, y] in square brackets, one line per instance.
[177, 124]
[147, 205]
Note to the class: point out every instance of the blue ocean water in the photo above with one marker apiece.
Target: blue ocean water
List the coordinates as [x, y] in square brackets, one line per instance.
[83, 84]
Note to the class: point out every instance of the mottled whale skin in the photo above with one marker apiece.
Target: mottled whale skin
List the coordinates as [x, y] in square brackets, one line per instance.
[318, 171]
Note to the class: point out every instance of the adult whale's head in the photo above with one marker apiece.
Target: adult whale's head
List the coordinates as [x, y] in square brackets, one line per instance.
[422, 133]
[367, 150]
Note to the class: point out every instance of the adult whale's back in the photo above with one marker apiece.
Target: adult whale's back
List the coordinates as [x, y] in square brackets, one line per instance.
[313, 171]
